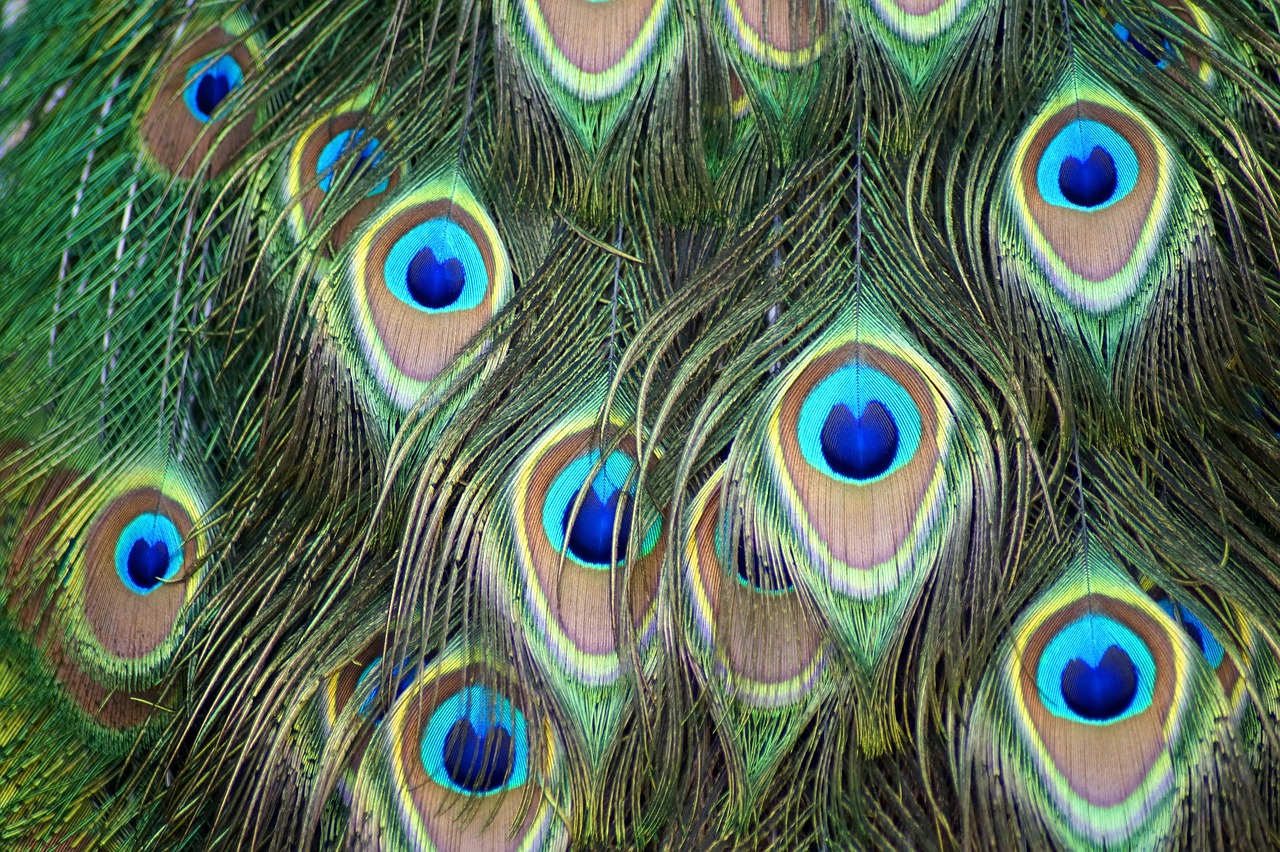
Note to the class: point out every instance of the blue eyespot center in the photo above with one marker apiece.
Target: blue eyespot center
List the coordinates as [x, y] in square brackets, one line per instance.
[1193, 630]
[476, 743]
[858, 425]
[436, 266]
[434, 284]
[368, 155]
[591, 538]
[605, 504]
[758, 572]
[1103, 691]
[478, 762]
[148, 552]
[1124, 34]
[860, 447]
[208, 85]
[1208, 644]
[1087, 166]
[337, 147]
[1088, 183]
[1096, 671]
[371, 670]
[210, 91]
[148, 563]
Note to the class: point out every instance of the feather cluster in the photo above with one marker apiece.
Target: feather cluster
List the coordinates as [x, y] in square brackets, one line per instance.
[643, 424]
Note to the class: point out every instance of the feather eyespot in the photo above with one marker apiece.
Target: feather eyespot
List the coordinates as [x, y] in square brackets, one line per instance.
[437, 267]
[1187, 13]
[747, 623]
[138, 570]
[593, 49]
[1095, 669]
[858, 425]
[857, 432]
[570, 508]
[342, 685]
[476, 743]
[573, 556]
[403, 674]
[208, 85]
[1193, 16]
[1091, 188]
[335, 150]
[148, 552]
[344, 143]
[426, 275]
[872, 463]
[1088, 669]
[109, 572]
[755, 569]
[1087, 166]
[584, 530]
[183, 127]
[1126, 35]
[461, 762]
[1210, 647]
[336, 694]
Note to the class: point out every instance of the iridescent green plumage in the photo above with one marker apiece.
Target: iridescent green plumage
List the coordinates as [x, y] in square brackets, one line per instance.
[545, 424]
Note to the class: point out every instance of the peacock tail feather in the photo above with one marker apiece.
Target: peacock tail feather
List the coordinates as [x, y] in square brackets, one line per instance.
[759, 654]
[461, 762]
[1093, 666]
[860, 426]
[915, 37]
[576, 554]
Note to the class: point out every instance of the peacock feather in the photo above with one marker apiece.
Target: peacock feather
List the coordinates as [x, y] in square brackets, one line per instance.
[758, 651]
[184, 127]
[862, 426]
[338, 148]
[575, 547]
[915, 36]
[1097, 214]
[424, 277]
[1094, 667]
[461, 762]
[773, 49]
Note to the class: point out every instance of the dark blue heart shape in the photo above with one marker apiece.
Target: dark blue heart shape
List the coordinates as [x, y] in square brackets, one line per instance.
[365, 155]
[758, 572]
[591, 538]
[1088, 183]
[1124, 34]
[406, 680]
[1143, 50]
[148, 563]
[433, 284]
[1100, 692]
[860, 447]
[211, 90]
[478, 763]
